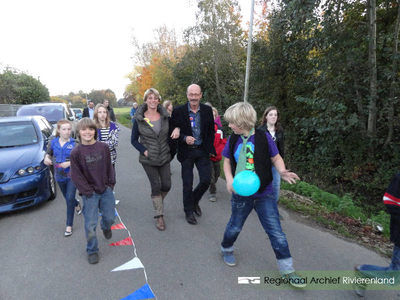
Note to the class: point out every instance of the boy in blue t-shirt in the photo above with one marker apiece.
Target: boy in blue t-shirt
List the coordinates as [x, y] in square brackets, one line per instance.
[254, 150]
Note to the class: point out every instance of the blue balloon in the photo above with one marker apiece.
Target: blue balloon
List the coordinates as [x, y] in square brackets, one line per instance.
[246, 183]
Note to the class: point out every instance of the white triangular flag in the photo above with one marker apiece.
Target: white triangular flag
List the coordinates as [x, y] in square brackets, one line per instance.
[132, 264]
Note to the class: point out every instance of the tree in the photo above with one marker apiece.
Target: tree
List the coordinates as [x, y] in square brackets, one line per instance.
[217, 44]
[58, 99]
[19, 88]
[154, 63]
[98, 96]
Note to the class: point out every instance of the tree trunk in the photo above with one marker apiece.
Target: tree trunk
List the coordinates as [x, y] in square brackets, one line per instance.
[393, 83]
[372, 67]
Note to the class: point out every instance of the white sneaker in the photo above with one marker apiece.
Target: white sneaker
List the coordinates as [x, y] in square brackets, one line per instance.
[212, 198]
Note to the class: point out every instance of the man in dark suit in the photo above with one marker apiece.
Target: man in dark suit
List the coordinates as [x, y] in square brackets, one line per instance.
[195, 145]
[89, 111]
[110, 110]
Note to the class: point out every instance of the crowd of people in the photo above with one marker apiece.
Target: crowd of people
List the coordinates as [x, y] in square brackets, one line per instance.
[193, 132]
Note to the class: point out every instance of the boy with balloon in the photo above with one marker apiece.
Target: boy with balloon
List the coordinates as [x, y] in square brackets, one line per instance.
[249, 155]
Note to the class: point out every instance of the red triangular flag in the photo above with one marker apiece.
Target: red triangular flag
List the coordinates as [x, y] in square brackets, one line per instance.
[118, 226]
[124, 242]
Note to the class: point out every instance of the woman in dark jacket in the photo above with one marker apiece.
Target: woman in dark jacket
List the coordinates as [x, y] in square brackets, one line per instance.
[270, 122]
[152, 127]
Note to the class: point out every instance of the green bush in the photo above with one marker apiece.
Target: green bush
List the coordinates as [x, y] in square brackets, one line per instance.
[342, 205]
[125, 119]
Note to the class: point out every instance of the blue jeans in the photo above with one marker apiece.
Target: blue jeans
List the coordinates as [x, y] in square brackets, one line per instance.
[201, 159]
[371, 271]
[68, 189]
[104, 202]
[276, 183]
[267, 211]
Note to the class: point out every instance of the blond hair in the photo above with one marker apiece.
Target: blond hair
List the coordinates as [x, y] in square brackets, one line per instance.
[241, 114]
[151, 91]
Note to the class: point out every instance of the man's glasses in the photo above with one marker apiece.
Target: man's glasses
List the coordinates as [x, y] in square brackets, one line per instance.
[194, 95]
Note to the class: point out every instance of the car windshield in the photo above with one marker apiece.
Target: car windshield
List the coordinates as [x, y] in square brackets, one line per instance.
[17, 134]
[51, 113]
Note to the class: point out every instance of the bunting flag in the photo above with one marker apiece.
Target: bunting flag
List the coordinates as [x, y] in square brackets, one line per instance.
[130, 265]
[118, 226]
[124, 242]
[143, 293]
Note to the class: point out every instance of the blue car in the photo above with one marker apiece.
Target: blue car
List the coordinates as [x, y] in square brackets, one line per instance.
[78, 112]
[24, 179]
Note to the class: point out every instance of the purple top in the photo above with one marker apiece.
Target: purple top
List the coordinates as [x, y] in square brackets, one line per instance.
[218, 121]
[273, 151]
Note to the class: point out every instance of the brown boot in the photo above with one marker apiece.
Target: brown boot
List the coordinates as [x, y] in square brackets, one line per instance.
[160, 223]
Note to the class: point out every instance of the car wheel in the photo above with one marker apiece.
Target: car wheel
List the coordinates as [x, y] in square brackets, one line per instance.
[52, 184]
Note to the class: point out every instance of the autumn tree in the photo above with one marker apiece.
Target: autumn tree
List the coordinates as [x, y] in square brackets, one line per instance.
[153, 64]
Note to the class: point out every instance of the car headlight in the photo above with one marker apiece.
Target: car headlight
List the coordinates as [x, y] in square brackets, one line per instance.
[28, 170]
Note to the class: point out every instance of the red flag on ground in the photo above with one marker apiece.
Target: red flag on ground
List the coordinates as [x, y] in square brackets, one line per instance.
[124, 242]
[118, 226]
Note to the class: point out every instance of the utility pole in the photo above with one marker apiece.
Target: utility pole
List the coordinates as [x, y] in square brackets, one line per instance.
[250, 40]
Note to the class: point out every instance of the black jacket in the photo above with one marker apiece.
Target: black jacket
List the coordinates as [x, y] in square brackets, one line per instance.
[111, 113]
[85, 113]
[180, 118]
[279, 135]
[262, 160]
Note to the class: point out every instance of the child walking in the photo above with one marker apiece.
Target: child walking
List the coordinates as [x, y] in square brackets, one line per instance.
[59, 151]
[219, 144]
[107, 131]
[391, 199]
[94, 177]
[254, 150]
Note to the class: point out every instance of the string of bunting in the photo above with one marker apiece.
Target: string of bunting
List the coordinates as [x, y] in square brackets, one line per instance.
[145, 292]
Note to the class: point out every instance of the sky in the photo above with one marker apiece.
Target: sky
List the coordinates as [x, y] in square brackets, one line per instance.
[83, 45]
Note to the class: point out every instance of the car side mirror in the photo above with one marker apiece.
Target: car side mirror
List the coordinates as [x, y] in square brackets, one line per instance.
[71, 118]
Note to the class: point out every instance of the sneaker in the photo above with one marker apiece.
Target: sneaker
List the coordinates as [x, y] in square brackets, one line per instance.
[212, 198]
[359, 289]
[93, 258]
[107, 234]
[229, 259]
[295, 280]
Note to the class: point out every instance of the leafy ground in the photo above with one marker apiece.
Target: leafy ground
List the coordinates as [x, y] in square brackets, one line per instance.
[367, 235]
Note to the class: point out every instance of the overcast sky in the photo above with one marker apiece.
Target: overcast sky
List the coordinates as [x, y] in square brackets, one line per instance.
[85, 44]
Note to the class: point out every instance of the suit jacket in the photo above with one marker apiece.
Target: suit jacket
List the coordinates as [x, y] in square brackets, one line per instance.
[180, 118]
[85, 112]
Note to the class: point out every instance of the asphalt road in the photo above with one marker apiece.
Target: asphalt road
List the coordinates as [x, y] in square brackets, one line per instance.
[183, 262]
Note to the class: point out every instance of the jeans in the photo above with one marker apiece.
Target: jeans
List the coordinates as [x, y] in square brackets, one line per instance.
[159, 177]
[371, 271]
[276, 183]
[201, 159]
[215, 173]
[104, 202]
[267, 211]
[68, 189]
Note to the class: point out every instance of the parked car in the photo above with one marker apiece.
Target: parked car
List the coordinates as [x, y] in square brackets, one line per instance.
[24, 179]
[78, 112]
[53, 112]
